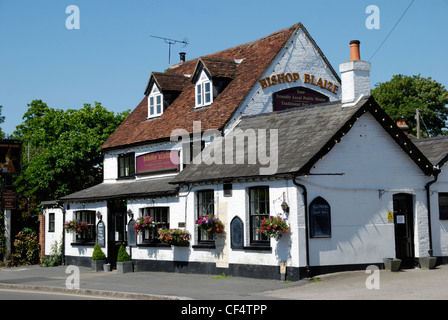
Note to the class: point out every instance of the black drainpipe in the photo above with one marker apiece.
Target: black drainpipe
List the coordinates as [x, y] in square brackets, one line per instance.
[305, 202]
[428, 200]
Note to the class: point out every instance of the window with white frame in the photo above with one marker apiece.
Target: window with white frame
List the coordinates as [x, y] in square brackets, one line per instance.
[160, 216]
[155, 102]
[204, 91]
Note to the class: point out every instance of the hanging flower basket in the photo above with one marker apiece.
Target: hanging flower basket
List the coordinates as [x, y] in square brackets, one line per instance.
[175, 237]
[144, 223]
[75, 226]
[210, 224]
[274, 227]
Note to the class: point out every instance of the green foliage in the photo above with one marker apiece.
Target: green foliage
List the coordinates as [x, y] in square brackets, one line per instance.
[2, 119]
[402, 95]
[62, 148]
[98, 254]
[55, 257]
[26, 249]
[3, 239]
[123, 255]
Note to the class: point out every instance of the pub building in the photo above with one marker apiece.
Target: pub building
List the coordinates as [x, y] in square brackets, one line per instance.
[266, 128]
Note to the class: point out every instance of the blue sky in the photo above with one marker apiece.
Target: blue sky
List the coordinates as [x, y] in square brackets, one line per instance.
[110, 57]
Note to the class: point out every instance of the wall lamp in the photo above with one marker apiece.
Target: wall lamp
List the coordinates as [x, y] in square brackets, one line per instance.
[284, 205]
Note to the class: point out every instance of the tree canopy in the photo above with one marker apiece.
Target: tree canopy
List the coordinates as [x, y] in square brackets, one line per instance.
[62, 148]
[403, 95]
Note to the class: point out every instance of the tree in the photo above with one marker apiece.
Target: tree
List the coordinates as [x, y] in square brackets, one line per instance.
[2, 119]
[62, 149]
[403, 95]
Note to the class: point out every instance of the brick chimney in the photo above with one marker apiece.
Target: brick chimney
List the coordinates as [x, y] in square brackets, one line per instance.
[355, 77]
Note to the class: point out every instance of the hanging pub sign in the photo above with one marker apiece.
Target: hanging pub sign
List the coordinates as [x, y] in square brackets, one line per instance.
[9, 199]
[156, 162]
[10, 156]
[297, 97]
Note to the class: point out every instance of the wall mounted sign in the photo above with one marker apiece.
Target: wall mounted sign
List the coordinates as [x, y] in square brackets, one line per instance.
[390, 216]
[236, 233]
[158, 162]
[295, 78]
[132, 234]
[9, 199]
[101, 234]
[297, 97]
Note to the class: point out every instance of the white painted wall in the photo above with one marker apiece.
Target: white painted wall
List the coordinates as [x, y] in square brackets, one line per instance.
[83, 251]
[439, 227]
[374, 168]
[56, 236]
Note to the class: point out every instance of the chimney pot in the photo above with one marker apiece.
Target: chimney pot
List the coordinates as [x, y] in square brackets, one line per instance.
[182, 56]
[354, 50]
[403, 126]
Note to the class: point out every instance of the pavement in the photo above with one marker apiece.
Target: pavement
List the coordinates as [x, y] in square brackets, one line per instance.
[407, 284]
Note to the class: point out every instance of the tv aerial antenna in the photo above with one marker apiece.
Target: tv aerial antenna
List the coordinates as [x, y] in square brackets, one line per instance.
[170, 43]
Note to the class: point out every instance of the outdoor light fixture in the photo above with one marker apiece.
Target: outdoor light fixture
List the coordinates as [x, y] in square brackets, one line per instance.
[284, 205]
[99, 215]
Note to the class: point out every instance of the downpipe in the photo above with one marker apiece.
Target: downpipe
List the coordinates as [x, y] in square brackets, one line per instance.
[428, 200]
[305, 202]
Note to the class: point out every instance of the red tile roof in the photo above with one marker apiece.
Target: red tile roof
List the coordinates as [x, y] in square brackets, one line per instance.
[256, 55]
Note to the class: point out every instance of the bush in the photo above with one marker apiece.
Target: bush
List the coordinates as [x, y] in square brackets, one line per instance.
[55, 257]
[26, 250]
[123, 255]
[98, 254]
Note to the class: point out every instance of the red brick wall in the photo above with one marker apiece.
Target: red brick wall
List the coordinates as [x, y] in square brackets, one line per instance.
[42, 235]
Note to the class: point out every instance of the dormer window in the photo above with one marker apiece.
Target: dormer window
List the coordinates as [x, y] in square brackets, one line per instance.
[155, 103]
[204, 91]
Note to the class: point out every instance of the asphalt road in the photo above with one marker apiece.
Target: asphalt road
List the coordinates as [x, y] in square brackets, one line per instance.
[408, 284]
[18, 295]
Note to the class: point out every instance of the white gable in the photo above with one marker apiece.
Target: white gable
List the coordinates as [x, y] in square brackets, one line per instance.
[369, 158]
[298, 64]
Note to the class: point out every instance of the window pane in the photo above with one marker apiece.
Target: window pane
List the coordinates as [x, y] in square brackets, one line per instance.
[199, 94]
[89, 217]
[160, 216]
[443, 206]
[259, 210]
[205, 207]
[159, 104]
[207, 92]
[151, 106]
[126, 165]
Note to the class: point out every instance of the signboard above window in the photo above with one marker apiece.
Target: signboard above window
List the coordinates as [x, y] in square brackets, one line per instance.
[297, 97]
[156, 162]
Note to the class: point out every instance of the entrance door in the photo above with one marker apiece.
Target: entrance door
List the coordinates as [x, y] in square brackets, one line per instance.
[404, 228]
[116, 215]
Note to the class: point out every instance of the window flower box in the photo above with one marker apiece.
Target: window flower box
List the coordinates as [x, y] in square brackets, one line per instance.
[75, 226]
[175, 237]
